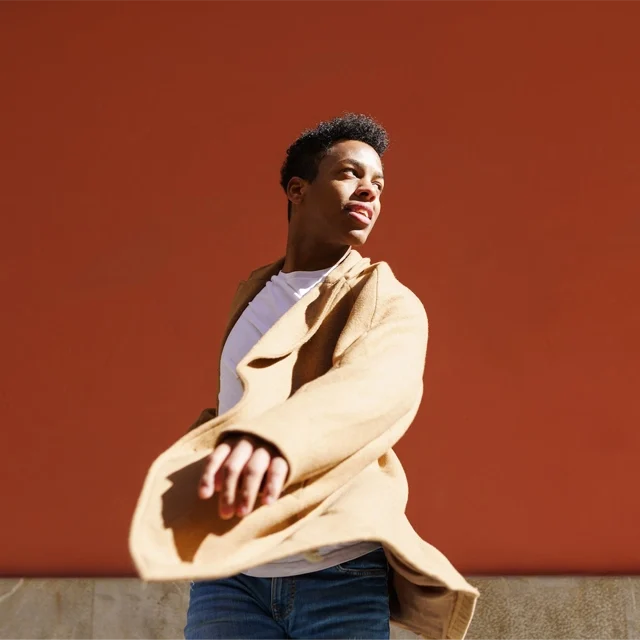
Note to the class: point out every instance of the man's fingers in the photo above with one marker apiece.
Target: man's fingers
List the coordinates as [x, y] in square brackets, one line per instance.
[214, 462]
[239, 472]
[251, 480]
[276, 476]
[232, 468]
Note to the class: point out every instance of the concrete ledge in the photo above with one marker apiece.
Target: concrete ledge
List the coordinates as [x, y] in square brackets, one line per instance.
[510, 608]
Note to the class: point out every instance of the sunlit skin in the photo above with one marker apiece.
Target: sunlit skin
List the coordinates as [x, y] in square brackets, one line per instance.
[335, 211]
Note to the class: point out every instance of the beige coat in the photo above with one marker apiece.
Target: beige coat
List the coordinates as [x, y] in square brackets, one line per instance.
[334, 384]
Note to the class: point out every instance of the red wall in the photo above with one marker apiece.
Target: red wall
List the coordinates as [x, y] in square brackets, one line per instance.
[141, 144]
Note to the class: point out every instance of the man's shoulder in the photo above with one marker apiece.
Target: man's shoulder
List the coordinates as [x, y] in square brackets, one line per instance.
[391, 292]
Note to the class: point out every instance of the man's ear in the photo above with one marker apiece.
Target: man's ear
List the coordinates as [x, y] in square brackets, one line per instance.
[296, 189]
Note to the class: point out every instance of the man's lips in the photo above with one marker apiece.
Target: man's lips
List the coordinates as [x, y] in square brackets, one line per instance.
[360, 212]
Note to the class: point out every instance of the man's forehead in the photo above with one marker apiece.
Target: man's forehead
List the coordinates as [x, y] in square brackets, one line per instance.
[354, 150]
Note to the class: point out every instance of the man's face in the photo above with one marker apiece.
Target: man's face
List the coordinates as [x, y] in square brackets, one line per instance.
[342, 204]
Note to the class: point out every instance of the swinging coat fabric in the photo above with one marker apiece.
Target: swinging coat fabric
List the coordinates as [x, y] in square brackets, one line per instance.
[334, 384]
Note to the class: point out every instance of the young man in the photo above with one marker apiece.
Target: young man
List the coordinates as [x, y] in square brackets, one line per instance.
[285, 506]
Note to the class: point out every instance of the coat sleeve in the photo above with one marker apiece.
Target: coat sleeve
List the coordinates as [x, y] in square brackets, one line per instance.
[205, 415]
[376, 382]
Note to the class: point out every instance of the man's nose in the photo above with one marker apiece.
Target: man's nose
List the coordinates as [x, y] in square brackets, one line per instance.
[366, 191]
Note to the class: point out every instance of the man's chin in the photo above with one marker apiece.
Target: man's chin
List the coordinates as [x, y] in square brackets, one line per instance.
[358, 237]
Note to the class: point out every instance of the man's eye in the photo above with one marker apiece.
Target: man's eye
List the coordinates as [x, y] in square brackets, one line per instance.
[379, 185]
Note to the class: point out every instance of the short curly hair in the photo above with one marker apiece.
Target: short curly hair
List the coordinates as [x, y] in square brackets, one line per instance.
[304, 155]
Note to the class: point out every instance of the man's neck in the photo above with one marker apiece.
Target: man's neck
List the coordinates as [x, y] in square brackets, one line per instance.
[305, 257]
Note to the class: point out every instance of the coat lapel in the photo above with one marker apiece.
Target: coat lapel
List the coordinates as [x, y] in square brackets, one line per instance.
[302, 320]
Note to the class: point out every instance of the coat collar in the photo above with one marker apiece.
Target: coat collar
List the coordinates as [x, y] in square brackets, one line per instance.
[302, 320]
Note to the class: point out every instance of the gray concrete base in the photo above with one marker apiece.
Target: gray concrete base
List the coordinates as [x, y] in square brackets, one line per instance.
[510, 608]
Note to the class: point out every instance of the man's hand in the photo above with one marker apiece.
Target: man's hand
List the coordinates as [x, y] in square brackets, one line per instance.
[239, 469]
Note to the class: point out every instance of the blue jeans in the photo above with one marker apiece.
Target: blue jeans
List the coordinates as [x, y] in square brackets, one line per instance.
[350, 600]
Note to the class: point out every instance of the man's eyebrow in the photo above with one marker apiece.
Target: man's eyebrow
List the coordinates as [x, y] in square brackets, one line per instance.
[360, 166]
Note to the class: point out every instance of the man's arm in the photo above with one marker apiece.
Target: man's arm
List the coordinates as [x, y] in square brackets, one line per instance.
[377, 381]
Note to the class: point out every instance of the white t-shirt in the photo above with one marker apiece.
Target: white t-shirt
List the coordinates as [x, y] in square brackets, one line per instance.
[272, 302]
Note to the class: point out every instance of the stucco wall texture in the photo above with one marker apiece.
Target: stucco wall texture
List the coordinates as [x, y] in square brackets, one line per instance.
[141, 144]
